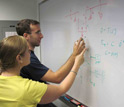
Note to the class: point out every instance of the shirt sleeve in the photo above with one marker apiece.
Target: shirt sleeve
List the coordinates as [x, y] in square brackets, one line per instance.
[35, 70]
[34, 91]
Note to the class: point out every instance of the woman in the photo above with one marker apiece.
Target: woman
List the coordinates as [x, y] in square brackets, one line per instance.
[16, 91]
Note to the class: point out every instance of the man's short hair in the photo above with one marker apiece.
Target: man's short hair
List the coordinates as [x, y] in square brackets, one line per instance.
[23, 26]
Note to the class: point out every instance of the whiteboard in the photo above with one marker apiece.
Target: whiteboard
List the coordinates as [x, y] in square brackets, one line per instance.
[99, 82]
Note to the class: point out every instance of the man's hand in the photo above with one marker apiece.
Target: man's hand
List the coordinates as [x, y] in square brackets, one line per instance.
[78, 47]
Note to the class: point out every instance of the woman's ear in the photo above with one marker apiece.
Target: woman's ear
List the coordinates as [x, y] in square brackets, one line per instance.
[19, 59]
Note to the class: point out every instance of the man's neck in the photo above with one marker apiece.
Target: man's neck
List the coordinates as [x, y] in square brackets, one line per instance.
[31, 47]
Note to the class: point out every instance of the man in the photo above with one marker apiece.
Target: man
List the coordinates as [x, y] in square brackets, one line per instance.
[30, 29]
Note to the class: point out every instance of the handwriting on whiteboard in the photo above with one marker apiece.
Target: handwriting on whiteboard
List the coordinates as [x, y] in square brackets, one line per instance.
[83, 28]
[109, 47]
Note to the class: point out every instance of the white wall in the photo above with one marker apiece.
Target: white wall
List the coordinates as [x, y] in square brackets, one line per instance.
[18, 9]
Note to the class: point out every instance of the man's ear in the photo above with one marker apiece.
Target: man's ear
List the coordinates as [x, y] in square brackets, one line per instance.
[25, 35]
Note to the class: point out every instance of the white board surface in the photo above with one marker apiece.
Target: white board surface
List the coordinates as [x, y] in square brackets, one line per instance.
[99, 82]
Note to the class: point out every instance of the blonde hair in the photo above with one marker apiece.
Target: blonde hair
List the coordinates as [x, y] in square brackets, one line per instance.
[10, 47]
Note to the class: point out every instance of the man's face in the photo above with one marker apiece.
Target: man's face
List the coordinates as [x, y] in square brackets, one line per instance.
[35, 36]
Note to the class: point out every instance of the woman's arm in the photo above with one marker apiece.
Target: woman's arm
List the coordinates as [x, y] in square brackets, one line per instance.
[62, 72]
[55, 91]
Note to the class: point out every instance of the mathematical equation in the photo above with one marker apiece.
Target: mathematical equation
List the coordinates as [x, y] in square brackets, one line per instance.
[82, 22]
[87, 16]
[112, 43]
[97, 58]
[97, 74]
[108, 30]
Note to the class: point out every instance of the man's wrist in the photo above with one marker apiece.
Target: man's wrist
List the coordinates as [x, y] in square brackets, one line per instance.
[73, 55]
